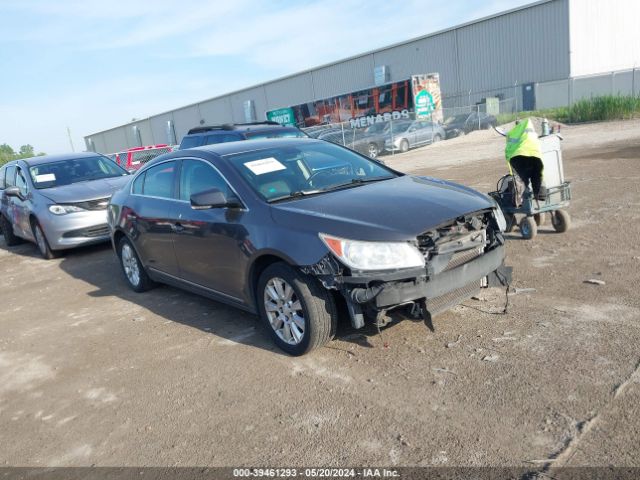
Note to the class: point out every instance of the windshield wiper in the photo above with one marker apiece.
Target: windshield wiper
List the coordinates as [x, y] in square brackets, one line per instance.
[296, 194]
[357, 181]
[352, 183]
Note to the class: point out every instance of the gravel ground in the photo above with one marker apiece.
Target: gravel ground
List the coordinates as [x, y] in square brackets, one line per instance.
[94, 374]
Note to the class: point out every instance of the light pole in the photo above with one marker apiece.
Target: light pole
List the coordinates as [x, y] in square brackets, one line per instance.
[70, 140]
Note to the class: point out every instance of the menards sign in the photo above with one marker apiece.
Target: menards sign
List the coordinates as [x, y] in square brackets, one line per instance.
[362, 122]
[392, 101]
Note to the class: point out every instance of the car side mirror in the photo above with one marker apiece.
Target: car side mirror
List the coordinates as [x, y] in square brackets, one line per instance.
[213, 198]
[13, 192]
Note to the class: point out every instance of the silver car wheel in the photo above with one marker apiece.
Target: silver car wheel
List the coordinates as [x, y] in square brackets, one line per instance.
[40, 240]
[373, 150]
[130, 265]
[284, 311]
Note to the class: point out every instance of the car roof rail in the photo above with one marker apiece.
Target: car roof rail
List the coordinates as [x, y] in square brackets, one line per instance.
[208, 128]
[265, 122]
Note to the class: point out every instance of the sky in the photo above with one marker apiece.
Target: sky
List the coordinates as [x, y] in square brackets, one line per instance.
[90, 65]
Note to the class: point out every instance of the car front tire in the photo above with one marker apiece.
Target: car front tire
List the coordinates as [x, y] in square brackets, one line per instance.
[404, 146]
[42, 242]
[134, 273]
[297, 310]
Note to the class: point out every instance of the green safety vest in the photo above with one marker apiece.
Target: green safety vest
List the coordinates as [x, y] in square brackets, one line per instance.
[522, 140]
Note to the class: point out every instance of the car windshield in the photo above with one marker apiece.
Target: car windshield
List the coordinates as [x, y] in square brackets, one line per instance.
[397, 127]
[74, 170]
[190, 142]
[282, 173]
[456, 119]
[377, 128]
[276, 134]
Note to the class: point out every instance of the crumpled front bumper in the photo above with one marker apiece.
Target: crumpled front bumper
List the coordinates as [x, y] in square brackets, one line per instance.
[485, 270]
[379, 293]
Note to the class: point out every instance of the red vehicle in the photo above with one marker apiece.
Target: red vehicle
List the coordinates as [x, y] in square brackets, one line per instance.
[134, 158]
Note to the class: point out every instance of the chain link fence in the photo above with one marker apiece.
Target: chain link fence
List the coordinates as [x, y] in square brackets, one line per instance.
[386, 134]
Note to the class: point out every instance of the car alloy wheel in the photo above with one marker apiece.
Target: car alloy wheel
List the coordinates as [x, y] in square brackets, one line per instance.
[130, 265]
[404, 146]
[284, 311]
[41, 242]
[373, 150]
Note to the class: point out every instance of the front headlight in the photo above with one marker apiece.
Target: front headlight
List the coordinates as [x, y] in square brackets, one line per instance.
[64, 209]
[360, 255]
[500, 220]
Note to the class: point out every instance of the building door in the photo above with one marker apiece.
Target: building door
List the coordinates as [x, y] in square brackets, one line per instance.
[528, 97]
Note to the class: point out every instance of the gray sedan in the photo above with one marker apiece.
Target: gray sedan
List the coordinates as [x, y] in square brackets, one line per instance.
[58, 201]
[406, 135]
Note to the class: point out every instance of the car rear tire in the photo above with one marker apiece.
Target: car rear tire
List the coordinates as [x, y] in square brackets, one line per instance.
[42, 242]
[297, 310]
[528, 228]
[561, 221]
[373, 151]
[7, 231]
[134, 272]
[404, 146]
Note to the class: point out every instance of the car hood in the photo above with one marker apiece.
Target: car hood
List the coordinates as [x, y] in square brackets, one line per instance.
[391, 210]
[83, 191]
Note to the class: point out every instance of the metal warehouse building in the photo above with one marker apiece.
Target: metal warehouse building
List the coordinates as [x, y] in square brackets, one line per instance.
[546, 54]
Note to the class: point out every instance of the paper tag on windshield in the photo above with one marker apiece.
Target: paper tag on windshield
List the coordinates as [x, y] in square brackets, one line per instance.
[265, 165]
[46, 177]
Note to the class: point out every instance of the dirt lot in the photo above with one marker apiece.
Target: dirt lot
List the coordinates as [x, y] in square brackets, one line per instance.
[94, 374]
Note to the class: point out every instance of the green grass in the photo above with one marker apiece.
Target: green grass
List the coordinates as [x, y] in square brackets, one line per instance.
[597, 109]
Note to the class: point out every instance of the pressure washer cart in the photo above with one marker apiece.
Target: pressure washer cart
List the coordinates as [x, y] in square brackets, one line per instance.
[515, 198]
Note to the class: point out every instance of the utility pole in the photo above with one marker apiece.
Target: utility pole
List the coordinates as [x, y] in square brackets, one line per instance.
[70, 140]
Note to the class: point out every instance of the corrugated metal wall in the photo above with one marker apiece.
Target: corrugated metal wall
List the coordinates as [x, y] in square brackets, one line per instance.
[604, 36]
[487, 57]
[526, 46]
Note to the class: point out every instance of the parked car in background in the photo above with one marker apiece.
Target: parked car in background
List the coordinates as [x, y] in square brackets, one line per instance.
[133, 158]
[401, 136]
[371, 145]
[208, 135]
[320, 129]
[467, 122]
[58, 201]
[289, 228]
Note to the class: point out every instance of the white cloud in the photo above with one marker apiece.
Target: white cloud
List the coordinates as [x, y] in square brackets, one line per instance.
[267, 39]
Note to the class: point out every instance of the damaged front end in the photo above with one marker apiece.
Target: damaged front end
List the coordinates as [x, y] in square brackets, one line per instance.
[461, 256]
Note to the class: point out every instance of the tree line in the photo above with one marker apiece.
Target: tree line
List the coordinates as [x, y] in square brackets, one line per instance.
[7, 153]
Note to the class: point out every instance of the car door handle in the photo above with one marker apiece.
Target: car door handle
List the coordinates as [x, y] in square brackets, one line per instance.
[177, 227]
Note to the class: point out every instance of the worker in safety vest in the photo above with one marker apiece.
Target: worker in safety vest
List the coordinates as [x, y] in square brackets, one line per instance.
[525, 156]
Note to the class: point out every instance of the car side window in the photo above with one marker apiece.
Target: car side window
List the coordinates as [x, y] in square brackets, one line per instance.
[159, 180]
[10, 178]
[2, 172]
[138, 183]
[21, 182]
[197, 177]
